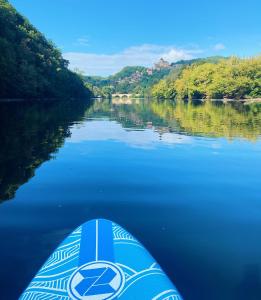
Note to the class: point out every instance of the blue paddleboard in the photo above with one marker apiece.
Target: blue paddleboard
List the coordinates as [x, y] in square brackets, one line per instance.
[98, 261]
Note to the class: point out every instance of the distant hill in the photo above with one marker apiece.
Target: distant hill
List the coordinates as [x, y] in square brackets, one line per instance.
[213, 78]
[134, 79]
[30, 65]
[211, 59]
[139, 80]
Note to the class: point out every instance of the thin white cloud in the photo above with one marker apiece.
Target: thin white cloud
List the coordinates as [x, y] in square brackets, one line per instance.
[82, 41]
[104, 130]
[143, 55]
[219, 47]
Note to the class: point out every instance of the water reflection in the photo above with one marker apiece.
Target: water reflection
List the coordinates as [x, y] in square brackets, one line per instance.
[103, 130]
[209, 119]
[182, 177]
[215, 119]
[30, 134]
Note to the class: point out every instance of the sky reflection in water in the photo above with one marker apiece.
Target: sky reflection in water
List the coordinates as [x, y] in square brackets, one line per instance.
[183, 178]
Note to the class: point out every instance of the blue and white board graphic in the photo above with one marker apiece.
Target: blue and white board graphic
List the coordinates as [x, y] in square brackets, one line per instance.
[98, 261]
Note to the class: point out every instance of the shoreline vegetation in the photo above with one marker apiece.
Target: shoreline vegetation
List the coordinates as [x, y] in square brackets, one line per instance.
[232, 78]
[31, 67]
[47, 100]
[227, 78]
[138, 80]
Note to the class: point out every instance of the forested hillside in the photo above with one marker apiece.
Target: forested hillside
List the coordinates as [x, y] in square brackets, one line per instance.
[30, 65]
[232, 78]
[131, 79]
[139, 80]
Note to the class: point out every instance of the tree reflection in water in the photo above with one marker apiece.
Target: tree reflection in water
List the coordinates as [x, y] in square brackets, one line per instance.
[30, 134]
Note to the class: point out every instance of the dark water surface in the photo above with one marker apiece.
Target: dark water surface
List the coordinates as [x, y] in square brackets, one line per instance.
[185, 179]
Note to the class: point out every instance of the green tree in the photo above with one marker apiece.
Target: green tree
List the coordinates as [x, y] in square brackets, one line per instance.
[229, 78]
[30, 65]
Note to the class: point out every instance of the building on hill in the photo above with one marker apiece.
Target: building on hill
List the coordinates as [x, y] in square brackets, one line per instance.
[162, 64]
[149, 71]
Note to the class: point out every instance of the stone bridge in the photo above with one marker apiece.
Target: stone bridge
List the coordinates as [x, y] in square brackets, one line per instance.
[121, 95]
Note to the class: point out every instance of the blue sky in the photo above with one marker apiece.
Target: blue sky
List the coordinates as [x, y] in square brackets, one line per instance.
[101, 36]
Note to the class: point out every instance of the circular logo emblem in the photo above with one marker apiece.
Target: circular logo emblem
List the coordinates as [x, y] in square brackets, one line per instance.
[97, 280]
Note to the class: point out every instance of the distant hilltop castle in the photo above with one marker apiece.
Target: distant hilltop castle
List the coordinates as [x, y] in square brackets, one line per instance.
[161, 64]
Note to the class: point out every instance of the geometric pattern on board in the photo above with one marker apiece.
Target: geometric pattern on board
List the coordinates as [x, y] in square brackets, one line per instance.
[97, 261]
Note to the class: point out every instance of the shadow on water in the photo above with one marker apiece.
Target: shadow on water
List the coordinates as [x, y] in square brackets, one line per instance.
[30, 134]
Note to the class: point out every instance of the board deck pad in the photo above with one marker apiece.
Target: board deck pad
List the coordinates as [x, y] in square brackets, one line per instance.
[100, 260]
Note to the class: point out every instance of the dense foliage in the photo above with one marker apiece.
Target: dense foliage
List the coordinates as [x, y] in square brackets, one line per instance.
[139, 80]
[133, 80]
[210, 59]
[30, 65]
[232, 78]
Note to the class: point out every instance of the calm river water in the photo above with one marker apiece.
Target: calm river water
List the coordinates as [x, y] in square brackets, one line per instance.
[184, 178]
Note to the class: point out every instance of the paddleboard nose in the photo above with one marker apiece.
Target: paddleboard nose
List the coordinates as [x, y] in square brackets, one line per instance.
[97, 261]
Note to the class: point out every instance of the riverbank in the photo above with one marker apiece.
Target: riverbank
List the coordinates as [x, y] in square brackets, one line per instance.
[251, 100]
[4, 100]
[232, 78]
